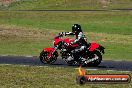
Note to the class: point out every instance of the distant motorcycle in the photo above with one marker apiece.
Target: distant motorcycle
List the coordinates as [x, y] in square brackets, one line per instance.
[91, 56]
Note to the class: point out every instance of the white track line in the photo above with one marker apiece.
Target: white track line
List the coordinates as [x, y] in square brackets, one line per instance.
[103, 69]
[28, 56]
[107, 70]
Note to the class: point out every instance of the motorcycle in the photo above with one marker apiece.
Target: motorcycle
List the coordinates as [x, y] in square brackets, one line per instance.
[91, 56]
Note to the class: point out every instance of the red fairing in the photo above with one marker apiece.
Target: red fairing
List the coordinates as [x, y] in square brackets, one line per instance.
[56, 41]
[67, 40]
[93, 46]
[49, 50]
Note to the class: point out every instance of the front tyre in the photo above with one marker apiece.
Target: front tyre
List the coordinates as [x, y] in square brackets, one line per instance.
[44, 57]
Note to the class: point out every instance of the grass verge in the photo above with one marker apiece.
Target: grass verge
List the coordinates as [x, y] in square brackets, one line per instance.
[65, 4]
[113, 22]
[15, 76]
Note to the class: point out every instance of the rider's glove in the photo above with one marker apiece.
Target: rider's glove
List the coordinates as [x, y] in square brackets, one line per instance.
[72, 43]
[63, 33]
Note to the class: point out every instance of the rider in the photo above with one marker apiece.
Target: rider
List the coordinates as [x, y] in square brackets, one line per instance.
[80, 37]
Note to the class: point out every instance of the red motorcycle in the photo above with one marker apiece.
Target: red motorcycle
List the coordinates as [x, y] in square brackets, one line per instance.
[91, 56]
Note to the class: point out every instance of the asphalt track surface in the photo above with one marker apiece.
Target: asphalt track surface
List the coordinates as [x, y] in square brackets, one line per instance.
[34, 61]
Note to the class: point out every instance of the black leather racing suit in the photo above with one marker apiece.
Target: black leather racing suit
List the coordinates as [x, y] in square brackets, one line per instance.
[80, 39]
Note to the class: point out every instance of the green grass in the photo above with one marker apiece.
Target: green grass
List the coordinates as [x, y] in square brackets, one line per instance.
[14, 76]
[107, 22]
[67, 5]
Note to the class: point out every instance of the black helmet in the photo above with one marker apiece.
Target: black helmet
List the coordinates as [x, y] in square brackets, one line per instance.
[76, 28]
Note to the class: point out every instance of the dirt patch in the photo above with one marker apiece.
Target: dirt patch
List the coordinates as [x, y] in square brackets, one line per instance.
[110, 38]
[105, 3]
[12, 33]
[6, 3]
[19, 34]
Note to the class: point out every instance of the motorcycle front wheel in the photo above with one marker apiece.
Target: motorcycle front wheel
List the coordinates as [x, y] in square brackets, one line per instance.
[44, 57]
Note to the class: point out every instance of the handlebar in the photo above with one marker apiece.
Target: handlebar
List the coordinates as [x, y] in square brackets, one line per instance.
[60, 34]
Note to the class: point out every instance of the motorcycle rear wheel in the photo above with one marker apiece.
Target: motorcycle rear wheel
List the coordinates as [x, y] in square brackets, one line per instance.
[95, 63]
